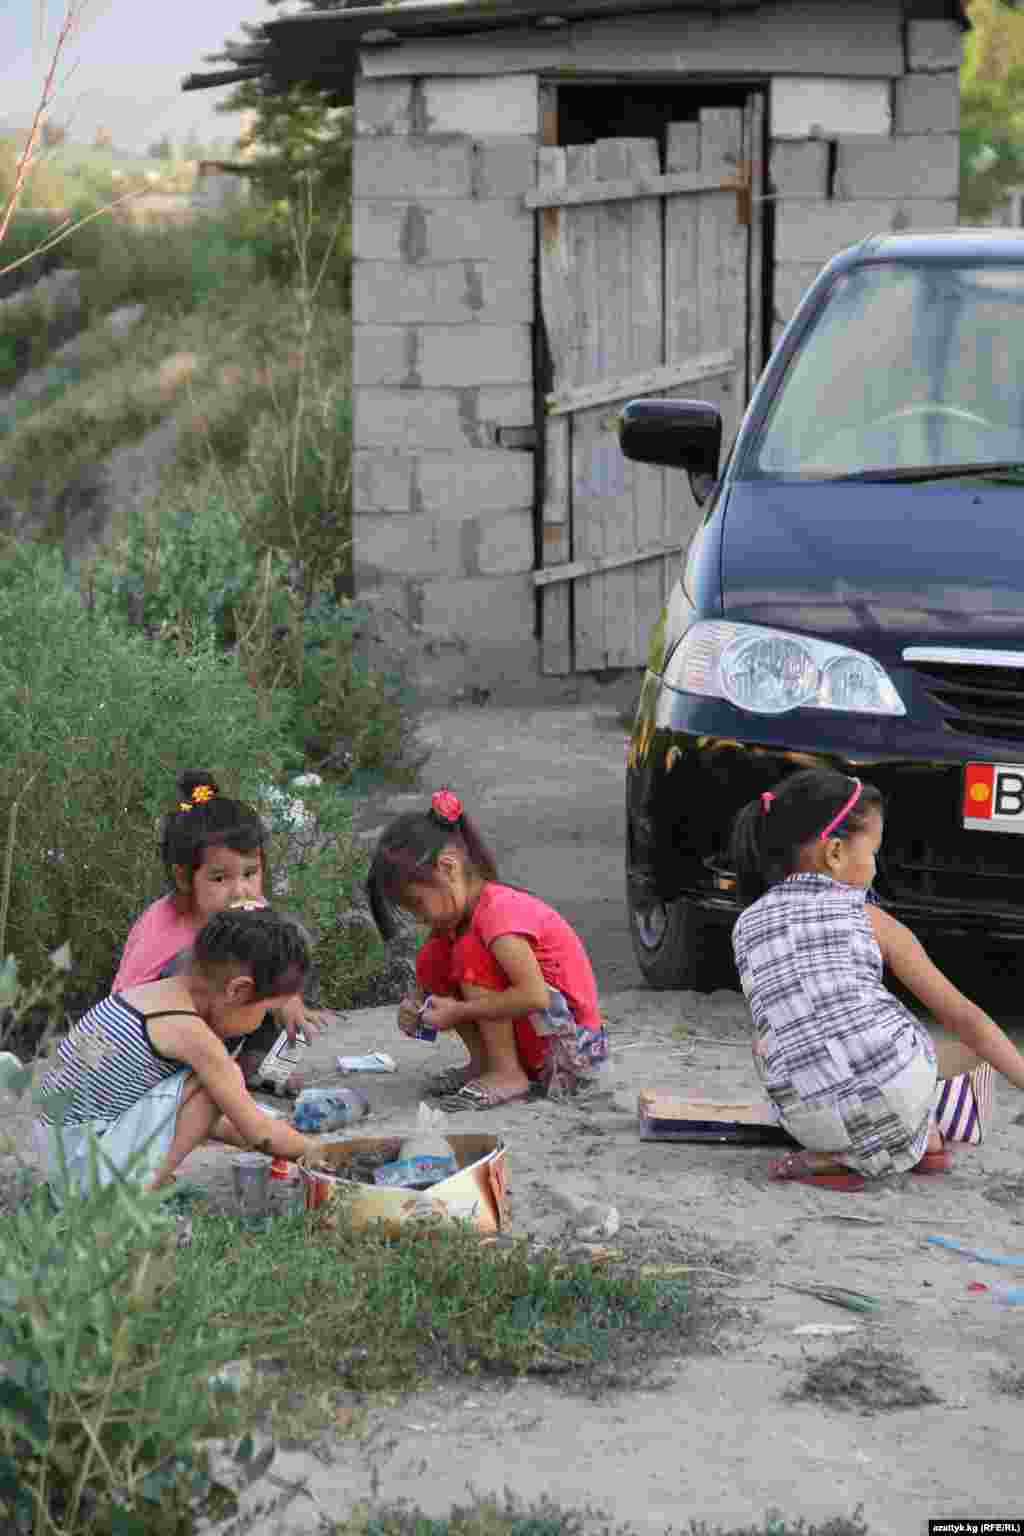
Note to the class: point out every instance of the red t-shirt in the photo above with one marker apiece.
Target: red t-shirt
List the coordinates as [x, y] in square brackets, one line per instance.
[563, 961]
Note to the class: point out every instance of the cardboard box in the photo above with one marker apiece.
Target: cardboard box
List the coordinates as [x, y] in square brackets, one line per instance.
[664, 1118]
[477, 1193]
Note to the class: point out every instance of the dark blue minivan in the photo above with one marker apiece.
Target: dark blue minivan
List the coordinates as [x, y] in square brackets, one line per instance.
[854, 596]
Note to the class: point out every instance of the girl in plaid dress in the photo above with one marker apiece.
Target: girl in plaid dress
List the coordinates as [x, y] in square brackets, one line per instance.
[850, 1071]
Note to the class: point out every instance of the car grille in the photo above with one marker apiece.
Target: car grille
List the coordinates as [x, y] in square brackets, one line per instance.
[977, 700]
[928, 856]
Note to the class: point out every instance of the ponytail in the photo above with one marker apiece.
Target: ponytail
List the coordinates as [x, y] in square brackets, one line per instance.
[409, 848]
[746, 854]
[769, 833]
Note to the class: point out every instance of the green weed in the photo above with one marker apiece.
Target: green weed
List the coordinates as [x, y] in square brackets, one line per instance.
[369, 1313]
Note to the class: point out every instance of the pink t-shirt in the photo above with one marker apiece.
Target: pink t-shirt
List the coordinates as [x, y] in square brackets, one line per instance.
[156, 937]
[563, 961]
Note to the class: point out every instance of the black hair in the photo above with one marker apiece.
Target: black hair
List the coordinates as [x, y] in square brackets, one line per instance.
[767, 837]
[204, 818]
[271, 948]
[407, 853]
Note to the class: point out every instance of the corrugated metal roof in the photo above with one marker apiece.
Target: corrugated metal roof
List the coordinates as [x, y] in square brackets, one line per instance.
[321, 47]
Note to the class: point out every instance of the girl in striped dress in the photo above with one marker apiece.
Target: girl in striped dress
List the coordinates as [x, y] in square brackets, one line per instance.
[146, 1076]
[850, 1071]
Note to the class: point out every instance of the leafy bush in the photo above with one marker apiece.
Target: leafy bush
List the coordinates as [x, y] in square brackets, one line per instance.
[104, 1392]
[97, 723]
[325, 870]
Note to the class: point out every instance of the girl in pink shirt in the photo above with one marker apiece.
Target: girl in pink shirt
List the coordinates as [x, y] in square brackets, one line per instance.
[500, 967]
[214, 852]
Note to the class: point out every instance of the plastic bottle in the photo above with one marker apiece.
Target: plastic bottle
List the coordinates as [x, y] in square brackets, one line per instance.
[318, 1110]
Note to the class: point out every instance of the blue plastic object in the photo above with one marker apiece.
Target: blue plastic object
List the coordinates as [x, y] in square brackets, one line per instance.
[318, 1110]
[1009, 1259]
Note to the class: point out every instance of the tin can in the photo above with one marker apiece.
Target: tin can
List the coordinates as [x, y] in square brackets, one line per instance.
[251, 1174]
[424, 1031]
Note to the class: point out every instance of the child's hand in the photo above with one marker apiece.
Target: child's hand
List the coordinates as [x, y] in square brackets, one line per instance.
[292, 1017]
[408, 1015]
[443, 1013]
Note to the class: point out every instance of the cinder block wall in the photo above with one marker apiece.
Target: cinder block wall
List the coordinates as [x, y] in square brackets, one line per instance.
[443, 308]
[891, 161]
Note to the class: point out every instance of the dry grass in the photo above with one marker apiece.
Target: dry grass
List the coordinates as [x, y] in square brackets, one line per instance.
[864, 1378]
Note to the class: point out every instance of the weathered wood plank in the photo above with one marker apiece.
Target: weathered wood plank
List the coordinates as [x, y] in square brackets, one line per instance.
[556, 531]
[690, 370]
[806, 37]
[625, 189]
[682, 304]
[586, 429]
[754, 154]
[722, 259]
[555, 574]
[630, 275]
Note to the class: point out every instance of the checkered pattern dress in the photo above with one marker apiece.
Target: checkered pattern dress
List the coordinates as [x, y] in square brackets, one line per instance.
[847, 1067]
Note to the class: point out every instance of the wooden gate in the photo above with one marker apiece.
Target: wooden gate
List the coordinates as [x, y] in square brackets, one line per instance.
[650, 285]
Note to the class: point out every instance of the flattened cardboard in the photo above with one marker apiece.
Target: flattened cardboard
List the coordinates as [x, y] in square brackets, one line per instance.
[666, 1118]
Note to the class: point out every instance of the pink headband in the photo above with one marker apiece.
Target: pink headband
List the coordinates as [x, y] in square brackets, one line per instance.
[847, 808]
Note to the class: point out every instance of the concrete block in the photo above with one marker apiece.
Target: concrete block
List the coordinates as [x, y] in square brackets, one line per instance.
[799, 168]
[808, 232]
[933, 46]
[504, 167]
[381, 482]
[918, 165]
[420, 168]
[490, 613]
[468, 355]
[927, 103]
[459, 230]
[502, 408]
[468, 483]
[498, 104]
[803, 108]
[393, 545]
[384, 354]
[383, 107]
[792, 280]
[504, 544]
[452, 293]
[406, 420]
[403, 420]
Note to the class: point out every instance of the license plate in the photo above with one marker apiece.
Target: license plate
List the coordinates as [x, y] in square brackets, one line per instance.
[994, 797]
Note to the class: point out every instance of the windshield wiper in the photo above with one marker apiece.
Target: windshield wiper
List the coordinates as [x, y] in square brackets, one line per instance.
[920, 473]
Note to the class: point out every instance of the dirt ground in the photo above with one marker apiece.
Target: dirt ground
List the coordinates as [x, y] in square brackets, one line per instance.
[714, 1435]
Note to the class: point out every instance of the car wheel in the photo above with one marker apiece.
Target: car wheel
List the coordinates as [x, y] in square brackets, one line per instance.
[679, 949]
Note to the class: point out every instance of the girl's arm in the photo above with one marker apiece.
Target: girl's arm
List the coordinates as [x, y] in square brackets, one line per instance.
[906, 958]
[526, 991]
[189, 1040]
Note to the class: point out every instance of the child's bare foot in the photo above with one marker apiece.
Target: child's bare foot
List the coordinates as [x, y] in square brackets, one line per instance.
[488, 1091]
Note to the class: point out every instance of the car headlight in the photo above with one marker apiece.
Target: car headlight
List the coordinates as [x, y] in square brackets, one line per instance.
[769, 672]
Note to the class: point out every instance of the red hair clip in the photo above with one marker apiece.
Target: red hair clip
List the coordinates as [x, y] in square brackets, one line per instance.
[447, 807]
[766, 801]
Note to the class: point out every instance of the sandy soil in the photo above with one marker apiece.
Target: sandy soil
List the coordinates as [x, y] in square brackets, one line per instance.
[713, 1437]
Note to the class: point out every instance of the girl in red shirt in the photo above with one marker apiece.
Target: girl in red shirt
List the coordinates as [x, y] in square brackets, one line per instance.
[500, 967]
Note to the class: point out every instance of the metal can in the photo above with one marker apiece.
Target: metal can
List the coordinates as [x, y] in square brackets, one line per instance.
[251, 1174]
[425, 1031]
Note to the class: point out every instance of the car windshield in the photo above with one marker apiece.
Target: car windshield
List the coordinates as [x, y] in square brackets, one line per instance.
[905, 367]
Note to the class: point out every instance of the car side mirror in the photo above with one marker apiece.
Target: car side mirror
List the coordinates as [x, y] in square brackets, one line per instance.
[682, 434]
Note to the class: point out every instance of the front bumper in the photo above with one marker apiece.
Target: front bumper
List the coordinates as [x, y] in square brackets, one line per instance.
[689, 773]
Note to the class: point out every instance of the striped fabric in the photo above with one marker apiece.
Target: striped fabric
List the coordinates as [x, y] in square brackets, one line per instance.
[105, 1064]
[964, 1105]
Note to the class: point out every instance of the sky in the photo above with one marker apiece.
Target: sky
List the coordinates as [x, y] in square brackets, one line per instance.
[125, 67]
